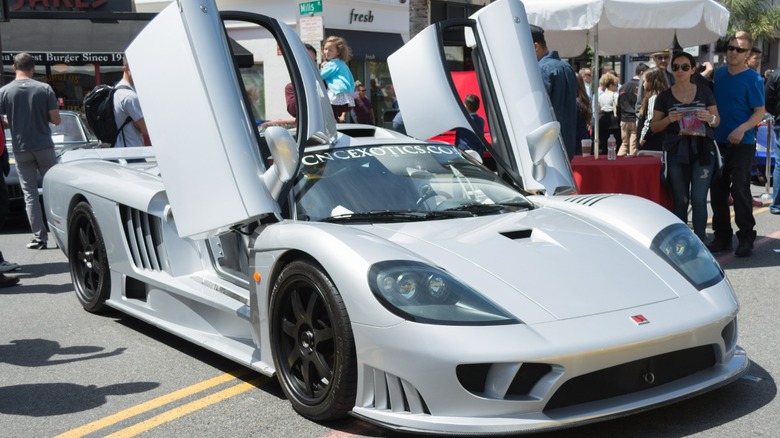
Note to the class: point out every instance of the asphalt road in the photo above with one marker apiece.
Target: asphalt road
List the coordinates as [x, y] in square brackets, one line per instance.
[65, 372]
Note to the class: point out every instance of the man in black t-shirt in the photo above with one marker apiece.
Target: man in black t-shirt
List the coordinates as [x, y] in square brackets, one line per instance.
[627, 98]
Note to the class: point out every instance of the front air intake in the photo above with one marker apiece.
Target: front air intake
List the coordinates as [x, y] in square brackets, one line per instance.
[632, 377]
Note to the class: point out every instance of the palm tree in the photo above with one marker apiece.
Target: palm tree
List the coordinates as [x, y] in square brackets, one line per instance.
[761, 18]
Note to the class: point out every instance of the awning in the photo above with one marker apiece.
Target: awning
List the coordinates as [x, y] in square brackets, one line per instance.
[81, 41]
[369, 46]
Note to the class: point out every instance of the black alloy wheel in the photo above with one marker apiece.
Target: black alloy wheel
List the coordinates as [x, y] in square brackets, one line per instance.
[87, 259]
[313, 344]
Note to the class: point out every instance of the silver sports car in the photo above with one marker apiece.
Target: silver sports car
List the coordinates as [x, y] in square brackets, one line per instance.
[376, 275]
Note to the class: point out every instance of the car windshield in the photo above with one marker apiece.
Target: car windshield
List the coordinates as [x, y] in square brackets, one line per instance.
[69, 130]
[399, 183]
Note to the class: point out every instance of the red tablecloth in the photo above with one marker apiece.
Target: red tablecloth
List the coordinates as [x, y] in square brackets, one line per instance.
[640, 176]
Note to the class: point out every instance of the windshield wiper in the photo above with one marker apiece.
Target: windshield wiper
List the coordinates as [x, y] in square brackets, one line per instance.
[477, 209]
[394, 216]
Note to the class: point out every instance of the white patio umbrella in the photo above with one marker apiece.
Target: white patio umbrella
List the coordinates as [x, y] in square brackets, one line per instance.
[618, 27]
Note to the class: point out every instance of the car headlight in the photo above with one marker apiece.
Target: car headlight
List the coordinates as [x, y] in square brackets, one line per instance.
[422, 293]
[687, 254]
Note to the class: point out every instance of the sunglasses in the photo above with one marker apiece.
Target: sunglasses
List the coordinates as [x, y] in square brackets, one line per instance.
[738, 49]
[684, 67]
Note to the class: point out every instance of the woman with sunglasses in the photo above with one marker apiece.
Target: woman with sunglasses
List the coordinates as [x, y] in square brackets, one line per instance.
[687, 114]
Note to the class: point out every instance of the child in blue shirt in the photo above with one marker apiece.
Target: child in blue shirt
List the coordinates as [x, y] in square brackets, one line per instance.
[338, 78]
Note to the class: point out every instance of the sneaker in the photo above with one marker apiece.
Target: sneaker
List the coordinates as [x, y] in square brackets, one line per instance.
[37, 244]
[6, 266]
[8, 281]
[718, 245]
[744, 248]
[774, 210]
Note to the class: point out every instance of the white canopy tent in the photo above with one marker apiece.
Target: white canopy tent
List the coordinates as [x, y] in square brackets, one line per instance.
[618, 27]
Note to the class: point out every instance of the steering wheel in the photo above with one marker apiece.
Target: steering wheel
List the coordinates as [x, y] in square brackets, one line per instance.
[426, 193]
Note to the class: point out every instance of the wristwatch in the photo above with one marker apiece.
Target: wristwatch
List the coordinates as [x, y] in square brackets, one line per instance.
[714, 119]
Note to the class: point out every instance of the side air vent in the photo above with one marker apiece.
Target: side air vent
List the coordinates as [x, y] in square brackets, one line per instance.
[516, 235]
[587, 200]
[143, 234]
[395, 394]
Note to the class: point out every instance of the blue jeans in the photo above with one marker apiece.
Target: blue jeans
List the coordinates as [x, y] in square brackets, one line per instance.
[689, 184]
[775, 189]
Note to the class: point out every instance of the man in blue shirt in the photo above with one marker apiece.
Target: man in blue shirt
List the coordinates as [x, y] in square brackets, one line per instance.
[561, 85]
[739, 93]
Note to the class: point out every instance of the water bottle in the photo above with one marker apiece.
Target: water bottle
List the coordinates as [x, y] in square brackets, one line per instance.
[611, 147]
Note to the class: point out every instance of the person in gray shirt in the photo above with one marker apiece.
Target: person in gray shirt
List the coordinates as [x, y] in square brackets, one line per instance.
[30, 106]
[127, 105]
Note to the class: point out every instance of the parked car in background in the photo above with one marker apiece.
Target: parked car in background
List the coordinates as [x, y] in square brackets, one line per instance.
[72, 133]
[759, 170]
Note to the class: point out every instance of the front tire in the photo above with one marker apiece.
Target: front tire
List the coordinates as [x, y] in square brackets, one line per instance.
[313, 344]
[87, 259]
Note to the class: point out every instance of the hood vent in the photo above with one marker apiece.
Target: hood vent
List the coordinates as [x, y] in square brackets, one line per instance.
[588, 200]
[516, 235]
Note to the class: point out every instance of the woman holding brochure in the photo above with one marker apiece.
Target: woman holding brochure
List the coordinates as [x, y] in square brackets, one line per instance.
[686, 113]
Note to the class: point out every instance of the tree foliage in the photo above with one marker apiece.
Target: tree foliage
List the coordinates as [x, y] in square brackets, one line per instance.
[759, 17]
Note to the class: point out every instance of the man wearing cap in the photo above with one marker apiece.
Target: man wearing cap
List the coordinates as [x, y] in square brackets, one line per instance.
[561, 85]
[661, 59]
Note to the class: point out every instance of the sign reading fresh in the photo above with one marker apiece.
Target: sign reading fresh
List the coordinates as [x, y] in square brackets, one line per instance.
[312, 7]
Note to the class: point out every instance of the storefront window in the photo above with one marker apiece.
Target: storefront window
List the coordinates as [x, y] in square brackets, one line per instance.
[382, 93]
[71, 82]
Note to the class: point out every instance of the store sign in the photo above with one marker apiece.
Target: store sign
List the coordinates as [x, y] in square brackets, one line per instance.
[358, 17]
[310, 7]
[71, 5]
[49, 58]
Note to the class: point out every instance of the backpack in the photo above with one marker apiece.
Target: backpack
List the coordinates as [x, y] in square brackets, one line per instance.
[99, 109]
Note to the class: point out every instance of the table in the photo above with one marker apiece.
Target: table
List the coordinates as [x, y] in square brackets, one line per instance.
[640, 176]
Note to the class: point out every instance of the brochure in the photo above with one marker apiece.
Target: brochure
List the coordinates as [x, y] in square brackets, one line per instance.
[689, 124]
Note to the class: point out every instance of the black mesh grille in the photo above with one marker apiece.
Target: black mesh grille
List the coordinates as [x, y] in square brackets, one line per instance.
[15, 191]
[632, 376]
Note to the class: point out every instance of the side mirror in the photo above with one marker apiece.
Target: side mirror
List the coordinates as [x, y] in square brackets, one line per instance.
[540, 142]
[284, 151]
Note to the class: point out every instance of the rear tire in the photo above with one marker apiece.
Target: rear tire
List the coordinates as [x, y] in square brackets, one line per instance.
[87, 259]
[313, 344]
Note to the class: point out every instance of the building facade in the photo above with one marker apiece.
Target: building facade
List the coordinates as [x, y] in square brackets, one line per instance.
[78, 45]
[372, 28]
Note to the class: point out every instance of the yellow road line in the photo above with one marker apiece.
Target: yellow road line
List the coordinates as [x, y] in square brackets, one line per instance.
[153, 404]
[188, 408]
